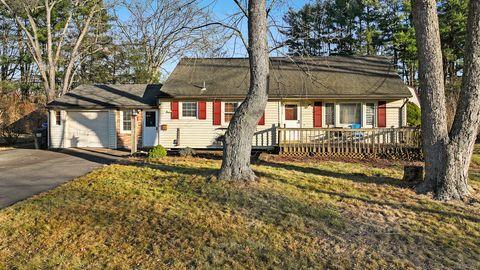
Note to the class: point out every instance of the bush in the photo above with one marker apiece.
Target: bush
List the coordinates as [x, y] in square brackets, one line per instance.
[413, 115]
[157, 152]
[187, 152]
[8, 135]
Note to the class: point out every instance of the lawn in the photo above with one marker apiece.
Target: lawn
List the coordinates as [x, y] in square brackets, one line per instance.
[174, 215]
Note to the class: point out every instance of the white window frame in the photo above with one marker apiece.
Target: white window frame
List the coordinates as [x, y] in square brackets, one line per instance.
[299, 116]
[364, 114]
[181, 110]
[58, 118]
[121, 124]
[337, 111]
[224, 111]
[324, 114]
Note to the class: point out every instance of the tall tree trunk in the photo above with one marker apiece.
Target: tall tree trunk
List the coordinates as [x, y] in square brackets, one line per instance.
[238, 138]
[432, 91]
[447, 156]
[463, 134]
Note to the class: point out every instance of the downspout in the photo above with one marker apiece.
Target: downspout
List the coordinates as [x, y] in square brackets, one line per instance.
[159, 106]
[404, 112]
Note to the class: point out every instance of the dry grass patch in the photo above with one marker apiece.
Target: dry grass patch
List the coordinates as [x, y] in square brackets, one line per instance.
[475, 165]
[174, 215]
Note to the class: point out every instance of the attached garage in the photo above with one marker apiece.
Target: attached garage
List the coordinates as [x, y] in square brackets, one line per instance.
[88, 129]
[94, 116]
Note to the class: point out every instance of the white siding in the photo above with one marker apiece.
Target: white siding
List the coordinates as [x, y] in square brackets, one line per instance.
[57, 132]
[394, 113]
[61, 135]
[266, 135]
[112, 129]
[202, 133]
[307, 115]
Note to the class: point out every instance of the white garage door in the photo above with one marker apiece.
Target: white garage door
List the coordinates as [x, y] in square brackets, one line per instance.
[88, 129]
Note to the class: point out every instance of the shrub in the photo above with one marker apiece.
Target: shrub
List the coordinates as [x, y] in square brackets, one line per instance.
[187, 152]
[157, 152]
[413, 115]
[8, 135]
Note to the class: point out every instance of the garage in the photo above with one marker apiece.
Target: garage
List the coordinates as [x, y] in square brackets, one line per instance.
[88, 129]
[90, 115]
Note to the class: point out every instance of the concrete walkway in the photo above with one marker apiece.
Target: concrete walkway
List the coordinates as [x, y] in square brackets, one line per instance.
[26, 172]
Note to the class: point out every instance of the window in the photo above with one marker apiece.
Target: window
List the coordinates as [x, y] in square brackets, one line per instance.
[370, 114]
[291, 112]
[58, 118]
[350, 113]
[329, 114]
[230, 108]
[150, 119]
[126, 124]
[189, 109]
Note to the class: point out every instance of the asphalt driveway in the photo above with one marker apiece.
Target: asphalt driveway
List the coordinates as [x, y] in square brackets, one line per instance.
[26, 172]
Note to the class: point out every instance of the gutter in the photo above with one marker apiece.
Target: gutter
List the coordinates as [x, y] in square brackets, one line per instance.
[299, 97]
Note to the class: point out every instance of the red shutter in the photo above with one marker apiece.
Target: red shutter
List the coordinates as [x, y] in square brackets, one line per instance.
[217, 113]
[382, 114]
[202, 110]
[317, 114]
[261, 122]
[174, 109]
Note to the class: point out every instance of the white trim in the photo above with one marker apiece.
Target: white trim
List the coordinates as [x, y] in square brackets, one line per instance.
[144, 125]
[364, 114]
[180, 107]
[337, 112]
[299, 116]
[122, 131]
[223, 110]
[324, 115]
[49, 129]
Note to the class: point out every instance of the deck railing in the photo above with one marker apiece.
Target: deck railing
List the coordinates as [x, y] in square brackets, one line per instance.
[403, 143]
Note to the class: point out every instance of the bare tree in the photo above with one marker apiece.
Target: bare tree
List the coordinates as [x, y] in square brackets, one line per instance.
[447, 153]
[238, 138]
[9, 50]
[54, 42]
[164, 30]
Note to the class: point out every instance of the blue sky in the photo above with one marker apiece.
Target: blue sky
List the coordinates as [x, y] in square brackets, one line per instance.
[222, 9]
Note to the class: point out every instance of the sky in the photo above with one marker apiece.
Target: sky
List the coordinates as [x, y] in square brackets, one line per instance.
[222, 9]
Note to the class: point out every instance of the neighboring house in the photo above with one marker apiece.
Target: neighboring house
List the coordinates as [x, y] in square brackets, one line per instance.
[194, 106]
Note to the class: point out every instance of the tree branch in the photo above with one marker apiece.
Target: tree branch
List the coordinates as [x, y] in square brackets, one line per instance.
[239, 33]
[241, 8]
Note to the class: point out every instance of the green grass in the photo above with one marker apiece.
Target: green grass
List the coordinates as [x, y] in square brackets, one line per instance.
[174, 215]
[475, 165]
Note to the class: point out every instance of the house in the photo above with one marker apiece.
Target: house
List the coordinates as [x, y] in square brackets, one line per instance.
[194, 106]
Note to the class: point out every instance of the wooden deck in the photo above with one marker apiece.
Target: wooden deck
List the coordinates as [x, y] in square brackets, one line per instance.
[401, 143]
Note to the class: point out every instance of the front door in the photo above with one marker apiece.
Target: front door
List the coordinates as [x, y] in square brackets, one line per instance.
[150, 128]
[291, 119]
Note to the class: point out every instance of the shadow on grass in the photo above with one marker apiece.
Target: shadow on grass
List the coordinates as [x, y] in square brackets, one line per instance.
[269, 207]
[182, 223]
[362, 178]
[399, 206]
[355, 177]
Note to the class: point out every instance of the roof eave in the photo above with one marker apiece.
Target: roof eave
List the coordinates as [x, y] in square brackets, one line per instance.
[82, 107]
[295, 97]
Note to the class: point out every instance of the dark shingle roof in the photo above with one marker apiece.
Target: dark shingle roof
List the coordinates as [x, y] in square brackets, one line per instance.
[110, 96]
[316, 77]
